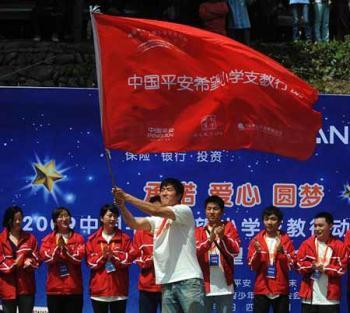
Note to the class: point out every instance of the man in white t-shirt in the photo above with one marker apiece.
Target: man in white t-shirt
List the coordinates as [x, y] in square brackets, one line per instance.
[321, 260]
[175, 261]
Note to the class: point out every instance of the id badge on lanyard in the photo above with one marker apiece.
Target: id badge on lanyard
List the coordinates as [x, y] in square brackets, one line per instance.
[213, 259]
[63, 269]
[109, 267]
[271, 271]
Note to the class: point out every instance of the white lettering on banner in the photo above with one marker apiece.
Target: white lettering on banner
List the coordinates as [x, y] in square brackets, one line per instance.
[88, 224]
[160, 134]
[202, 156]
[173, 157]
[249, 307]
[40, 223]
[340, 227]
[215, 156]
[295, 227]
[211, 83]
[246, 283]
[250, 226]
[328, 137]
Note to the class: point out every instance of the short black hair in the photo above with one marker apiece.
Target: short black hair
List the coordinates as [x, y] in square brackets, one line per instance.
[217, 200]
[154, 199]
[56, 213]
[178, 186]
[10, 212]
[270, 210]
[108, 207]
[326, 215]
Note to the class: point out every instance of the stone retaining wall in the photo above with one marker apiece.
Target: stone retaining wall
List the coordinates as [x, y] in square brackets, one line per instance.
[26, 63]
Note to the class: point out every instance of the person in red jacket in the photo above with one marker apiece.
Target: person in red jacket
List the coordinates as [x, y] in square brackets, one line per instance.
[213, 15]
[347, 245]
[19, 258]
[321, 260]
[271, 256]
[217, 244]
[150, 296]
[108, 257]
[63, 250]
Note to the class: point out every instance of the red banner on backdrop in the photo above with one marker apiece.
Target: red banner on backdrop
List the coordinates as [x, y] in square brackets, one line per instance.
[166, 87]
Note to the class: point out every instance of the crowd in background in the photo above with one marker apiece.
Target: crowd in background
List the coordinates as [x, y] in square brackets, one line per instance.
[261, 20]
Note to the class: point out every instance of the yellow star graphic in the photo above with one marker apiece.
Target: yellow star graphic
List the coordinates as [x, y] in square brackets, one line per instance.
[46, 175]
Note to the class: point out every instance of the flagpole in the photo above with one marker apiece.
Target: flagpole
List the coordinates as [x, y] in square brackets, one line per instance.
[109, 167]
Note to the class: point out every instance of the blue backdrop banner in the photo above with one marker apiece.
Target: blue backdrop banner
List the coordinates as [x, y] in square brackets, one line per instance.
[59, 129]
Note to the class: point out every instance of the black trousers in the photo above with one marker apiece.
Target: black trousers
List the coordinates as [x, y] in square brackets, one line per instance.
[65, 303]
[106, 307]
[150, 301]
[314, 308]
[262, 304]
[25, 304]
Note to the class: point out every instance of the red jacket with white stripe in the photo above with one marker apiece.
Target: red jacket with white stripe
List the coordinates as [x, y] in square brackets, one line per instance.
[142, 251]
[116, 283]
[347, 244]
[70, 256]
[229, 248]
[259, 262]
[17, 280]
[334, 270]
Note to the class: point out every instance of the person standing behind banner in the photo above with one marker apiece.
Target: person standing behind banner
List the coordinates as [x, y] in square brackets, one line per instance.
[217, 244]
[150, 296]
[321, 260]
[63, 250]
[108, 257]
[213, 15]
[271, 256]
[19, 259]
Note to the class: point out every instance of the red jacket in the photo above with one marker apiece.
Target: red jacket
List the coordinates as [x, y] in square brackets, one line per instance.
[334, 270]
[229, 246]
[259, 262]
[70, 256]
[103, 284]
[213, 15]
[16, 280]
[347, 244]
[142, 250]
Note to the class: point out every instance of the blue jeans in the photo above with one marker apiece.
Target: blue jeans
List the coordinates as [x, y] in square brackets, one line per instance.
[185, 296]
[321, 26]
[223, 303]
[301, 11]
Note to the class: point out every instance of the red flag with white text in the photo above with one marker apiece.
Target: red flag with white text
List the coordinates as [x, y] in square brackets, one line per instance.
[166, 87]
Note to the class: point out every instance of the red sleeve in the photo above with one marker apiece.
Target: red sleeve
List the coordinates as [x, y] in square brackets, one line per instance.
[202, 242]
[230, 243]
[254, 257]
[287, 258]
[7, 262]
[33, 254]
[121, 257]
[74, 252]
[139, 253]
[338, 263]
[49, 251]
[94, 256]
[304, 261]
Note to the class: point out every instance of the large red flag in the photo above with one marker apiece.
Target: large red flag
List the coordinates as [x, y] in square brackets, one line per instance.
[166, 87]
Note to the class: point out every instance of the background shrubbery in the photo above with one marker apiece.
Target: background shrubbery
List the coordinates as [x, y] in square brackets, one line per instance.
[324, 65]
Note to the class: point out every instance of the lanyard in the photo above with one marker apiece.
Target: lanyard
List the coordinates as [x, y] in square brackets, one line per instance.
[272, 256]
[324, 258]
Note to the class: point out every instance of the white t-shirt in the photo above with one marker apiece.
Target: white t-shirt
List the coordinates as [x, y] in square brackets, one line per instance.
[271, 243]
[319, 294]
[174, 247]
[218, 285]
